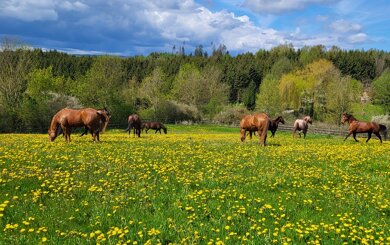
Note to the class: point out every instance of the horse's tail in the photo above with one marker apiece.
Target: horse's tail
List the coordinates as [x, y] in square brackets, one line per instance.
[264, 133]
[384, 130]
[128, 127]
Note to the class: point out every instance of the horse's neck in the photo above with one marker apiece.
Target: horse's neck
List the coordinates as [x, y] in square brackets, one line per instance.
[53, 124]
[352, 119]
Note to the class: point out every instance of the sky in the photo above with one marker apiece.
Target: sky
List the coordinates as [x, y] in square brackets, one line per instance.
[135, 27]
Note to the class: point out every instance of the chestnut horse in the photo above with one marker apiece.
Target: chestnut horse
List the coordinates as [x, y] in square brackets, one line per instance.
[154, 125]
[302, 124]
[106, 115]
[63, 121]
[363, 127]
[258, 122]
[134, 122]
[273, 126]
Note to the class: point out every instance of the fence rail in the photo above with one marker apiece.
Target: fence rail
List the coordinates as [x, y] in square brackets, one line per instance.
[285, 128]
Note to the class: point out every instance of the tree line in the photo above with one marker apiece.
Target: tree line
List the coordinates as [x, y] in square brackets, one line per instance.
[321, 82]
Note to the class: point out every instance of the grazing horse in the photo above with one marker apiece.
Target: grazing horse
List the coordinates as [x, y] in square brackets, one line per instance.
[63, 121]
[363, 127]
[134, 122]
[154, 125]
[302, 124]
[273, 125]
[257, 122]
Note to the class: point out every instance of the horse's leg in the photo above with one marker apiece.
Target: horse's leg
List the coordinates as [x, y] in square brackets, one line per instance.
[354, 136]
[68, 133]
[97, 135]
[273, 133]
[379, 136]
[250, 135]
[369, 136]
[349, 134]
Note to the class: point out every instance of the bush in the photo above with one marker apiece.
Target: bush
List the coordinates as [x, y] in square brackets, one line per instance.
[231, 115]
[365, 112]
[171, 111]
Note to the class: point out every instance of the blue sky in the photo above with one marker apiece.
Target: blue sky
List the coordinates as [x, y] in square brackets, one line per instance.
[133, 27]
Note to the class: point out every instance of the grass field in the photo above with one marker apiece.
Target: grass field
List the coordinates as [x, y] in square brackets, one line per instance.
[195, 185]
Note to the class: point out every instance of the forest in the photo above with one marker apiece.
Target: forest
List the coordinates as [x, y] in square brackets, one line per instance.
[195, 86]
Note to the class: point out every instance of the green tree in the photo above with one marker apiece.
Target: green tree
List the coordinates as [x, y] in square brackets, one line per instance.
[201, 89]
[381, 90]
[268, 99]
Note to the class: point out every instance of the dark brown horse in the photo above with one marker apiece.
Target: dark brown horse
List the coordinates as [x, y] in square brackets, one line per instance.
[154, 125]
[273, 125]
[63, 121]
[257, 122]
[356, 127]
[302, 125]
[134, 122]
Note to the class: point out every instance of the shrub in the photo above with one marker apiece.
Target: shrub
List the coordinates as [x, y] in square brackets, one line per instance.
[171, 111]
[231, 115]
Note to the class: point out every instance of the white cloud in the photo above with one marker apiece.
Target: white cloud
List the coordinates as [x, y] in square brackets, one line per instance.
[280, 6]
[358, 38]
[72, 6]
[156, 25]
[29, 10]
[344, 26]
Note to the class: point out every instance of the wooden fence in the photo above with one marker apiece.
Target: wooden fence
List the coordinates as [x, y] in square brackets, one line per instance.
[282, 127]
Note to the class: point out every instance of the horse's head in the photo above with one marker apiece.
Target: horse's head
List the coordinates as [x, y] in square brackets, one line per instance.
[52, 135]
[308, 119]
[165, 130]
[345, 117]
[54, 132]
[105, 117]
[281, 120]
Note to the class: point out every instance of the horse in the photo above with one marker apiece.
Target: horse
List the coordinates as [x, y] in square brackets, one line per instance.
[134, 122]
[105, 115]
[273, 126]
[302, 124]
[154, 125]
[64, 120]
[356, 126]
[258, 122]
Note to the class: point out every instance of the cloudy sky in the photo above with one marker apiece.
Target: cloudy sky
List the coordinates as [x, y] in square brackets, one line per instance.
[136, 27]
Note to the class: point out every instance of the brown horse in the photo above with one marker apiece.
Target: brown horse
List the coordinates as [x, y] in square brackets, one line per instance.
[63, 121]
[302, 124]
[273, 126]
[363, 127]
[154, 125]
[257, 122]
[106, 115]
[134, 122]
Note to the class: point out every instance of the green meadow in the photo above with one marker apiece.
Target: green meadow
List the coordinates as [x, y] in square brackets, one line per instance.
[194, 185]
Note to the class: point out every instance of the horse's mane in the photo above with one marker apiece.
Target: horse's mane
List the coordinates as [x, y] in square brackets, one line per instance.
[350, 117]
